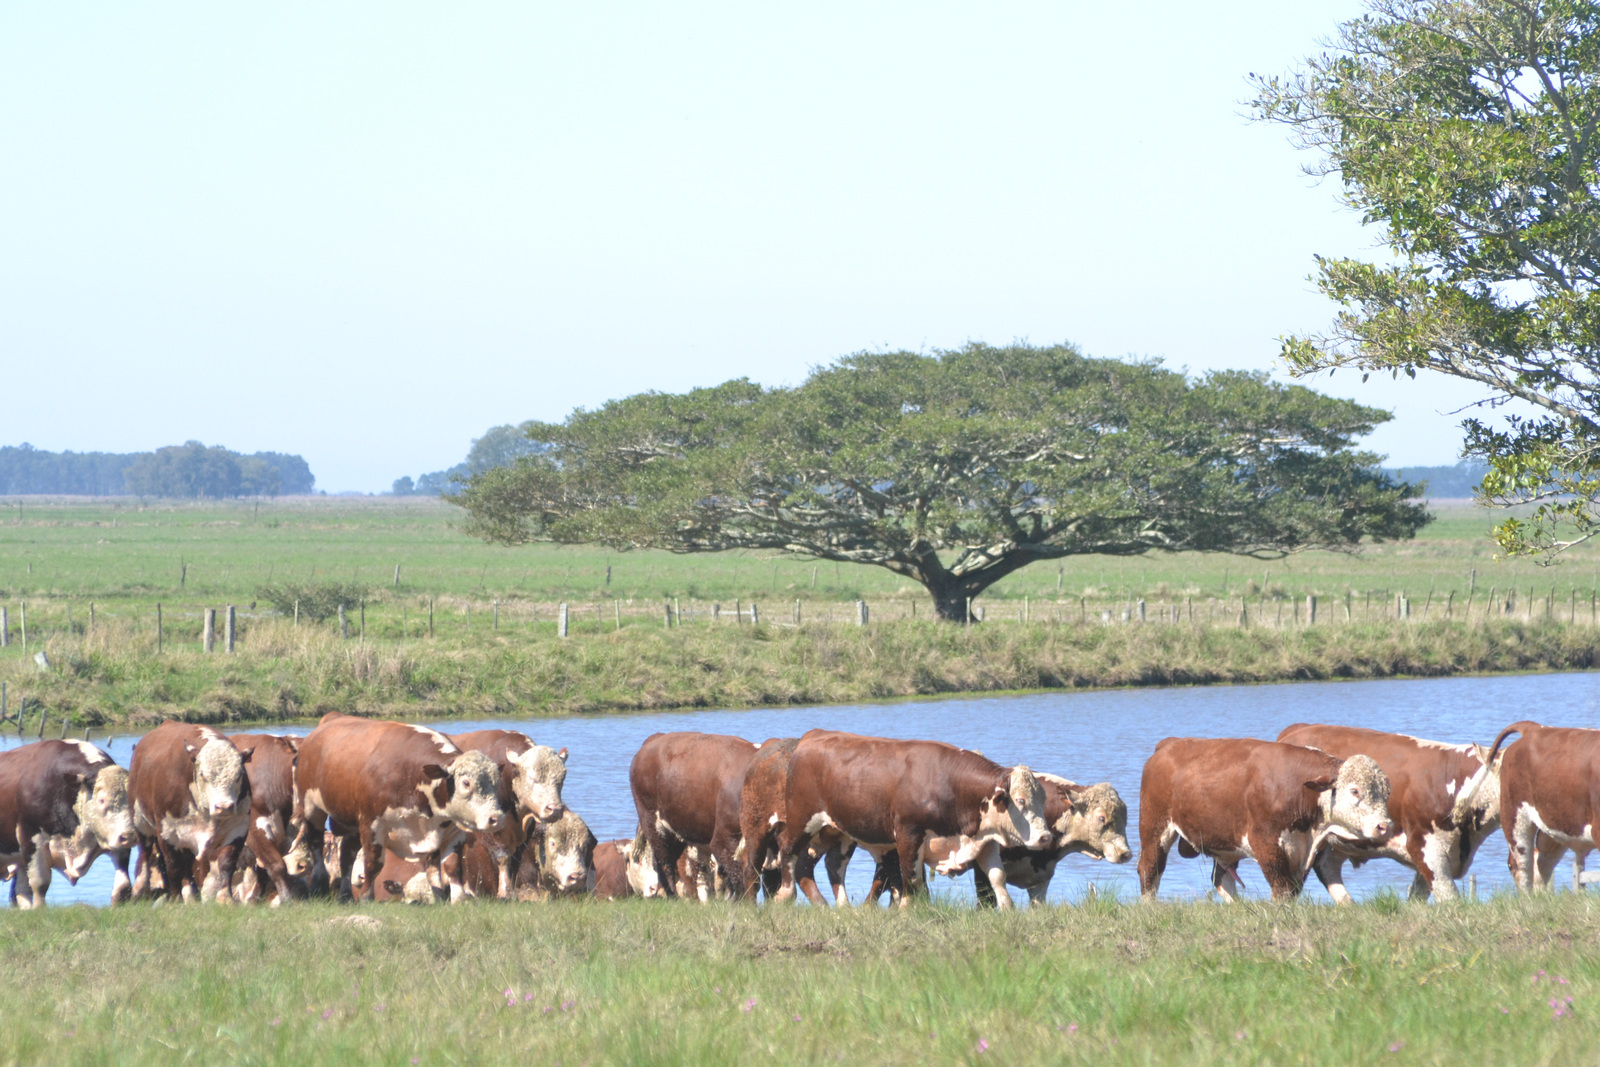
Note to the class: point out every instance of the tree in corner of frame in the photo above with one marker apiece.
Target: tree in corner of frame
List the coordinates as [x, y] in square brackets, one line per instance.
[1470, 131]
[957, 468]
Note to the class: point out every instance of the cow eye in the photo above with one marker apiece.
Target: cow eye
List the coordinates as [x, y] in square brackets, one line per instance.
[465, 785]
[1355, 792]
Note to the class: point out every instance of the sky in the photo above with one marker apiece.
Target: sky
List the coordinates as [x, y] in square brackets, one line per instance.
[366, 233]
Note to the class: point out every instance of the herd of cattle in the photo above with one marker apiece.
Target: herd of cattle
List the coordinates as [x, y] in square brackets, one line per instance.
[405, 812]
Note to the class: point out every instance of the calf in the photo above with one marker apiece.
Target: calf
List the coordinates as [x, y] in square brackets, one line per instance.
[1549, 797]
[686, 788]
[531, 777]
[190, 796]
[625, 868]
[1444, 801]
[1236, 797]
[275, 850]
[884, 794]
[391, 785]
[62, 802]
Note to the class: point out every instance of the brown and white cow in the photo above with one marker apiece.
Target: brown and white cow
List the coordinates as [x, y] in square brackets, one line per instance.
[565, 866]
[190, 797]
[1232, 798]
[531, 777]
[763, 804]
[61, 802]
[391, 785]
[625, 868]
[1549, 797]
[275, 852]
[686, 788]
[1444, 801]
[883, 794]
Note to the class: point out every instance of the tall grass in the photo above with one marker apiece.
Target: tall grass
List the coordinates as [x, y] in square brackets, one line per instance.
[649, 982]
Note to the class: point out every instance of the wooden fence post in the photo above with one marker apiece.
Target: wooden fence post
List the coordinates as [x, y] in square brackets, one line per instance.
[344, 624]
[208, 630]
[755, 614]
[497, 615]
[1141, 610]
[716, 614]
[969, 611]
[397, 576]
[561, 622]
[5, 627]
[363, 617]
[297, 613]
[158, 627]
[617, 605]
[738, 613]
[797, 611]
[227, 631]
[861, 613]
[91, 611]
[1311, 609]
[22, 609]
[677, 613]
[430, 618]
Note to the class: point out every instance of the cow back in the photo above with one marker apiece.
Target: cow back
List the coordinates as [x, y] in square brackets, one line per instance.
[690, 781]
[355, 769]
[1426, 778]
[1220, 789]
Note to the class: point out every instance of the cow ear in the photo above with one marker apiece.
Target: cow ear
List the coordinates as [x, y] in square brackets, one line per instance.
[187, 747]
[1001, 798]
[514, 757]
[1320, 785]
[245, 754]
[73, 778]
[562, 755]
[434, 772]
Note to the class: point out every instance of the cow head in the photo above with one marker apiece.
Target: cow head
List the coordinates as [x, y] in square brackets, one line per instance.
[470, 788]
[1359, 799]
[219, 779]
[1013, 814]
[102, 807]
[1095, 823]
[569, 854]
[541, 772]
[643, 877]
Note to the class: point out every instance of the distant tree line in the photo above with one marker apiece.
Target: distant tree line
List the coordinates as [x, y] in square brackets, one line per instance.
[1458, 481]
[500, 446]
[188, 470]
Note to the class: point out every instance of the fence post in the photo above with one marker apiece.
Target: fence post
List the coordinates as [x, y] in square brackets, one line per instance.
[1141, 609]
[561, 622]
[738, 612]
[344, 624]
[5, 627]
[716, 614]
[677, 613]
[228, 631]
[1311, 609]
[1450, 604]
[2, 701]
[397, 576]
[969, 611]
[158, 627]
[430, 618]
[797, 611]
[208, 630]
[1027, 610]
[497, 614]
[91, 611]
[755, 614]
[617, 605]
[22, 609]
[363, 617]
[666, 615]
[861, 613]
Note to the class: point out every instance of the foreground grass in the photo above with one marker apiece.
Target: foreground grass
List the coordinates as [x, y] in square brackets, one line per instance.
[281, 672]
[650, 982]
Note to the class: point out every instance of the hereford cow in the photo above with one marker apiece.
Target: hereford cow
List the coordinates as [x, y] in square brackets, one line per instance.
[763, 802]
[390, 785]
[190, 797]
[61, 803]
[686, 787]
[625, 868]
[275, 852]
[531, 777]
[1444, 801]
[1231, 798]
[1549, 797]
[882, 793]
[565, 866]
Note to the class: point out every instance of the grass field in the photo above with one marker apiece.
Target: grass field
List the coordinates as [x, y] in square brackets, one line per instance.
[650, 982]
[471, 628]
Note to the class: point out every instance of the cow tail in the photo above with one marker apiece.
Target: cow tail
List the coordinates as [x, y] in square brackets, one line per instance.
[1514, 728]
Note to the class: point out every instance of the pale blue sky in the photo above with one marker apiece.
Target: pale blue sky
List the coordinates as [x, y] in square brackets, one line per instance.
[366, 233]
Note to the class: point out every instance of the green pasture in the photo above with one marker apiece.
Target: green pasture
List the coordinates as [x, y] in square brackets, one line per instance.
[658, 982]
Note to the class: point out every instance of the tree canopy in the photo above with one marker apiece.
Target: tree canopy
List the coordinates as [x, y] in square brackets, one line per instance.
[957, 468]
[1468, 130]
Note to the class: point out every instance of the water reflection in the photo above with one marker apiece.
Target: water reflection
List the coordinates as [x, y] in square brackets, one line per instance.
[1088, 737]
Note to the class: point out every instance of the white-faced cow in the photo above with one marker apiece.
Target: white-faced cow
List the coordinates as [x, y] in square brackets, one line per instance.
[1549, 797]
[686, 788]
[625, 868]
[1444, 801]
[276, 853]
[390, 785]
[61, 802]
[531, 777]
[883, 794]
[1232, 798]
[565, 851]
[191, 798]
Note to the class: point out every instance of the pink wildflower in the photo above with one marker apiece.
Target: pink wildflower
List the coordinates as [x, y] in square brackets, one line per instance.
[983, 1046]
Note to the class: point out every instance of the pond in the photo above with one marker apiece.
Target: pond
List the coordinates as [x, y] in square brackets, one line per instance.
[1085, 736]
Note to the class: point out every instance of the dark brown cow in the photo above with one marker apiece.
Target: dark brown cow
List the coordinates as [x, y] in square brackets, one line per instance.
[391, 785]
[531, 777]
[275, 851]
[884, 793]
[1230, 798]
[686, 788]
[1549, 797]
[190, 795]
[1444, 801]
[66, 802]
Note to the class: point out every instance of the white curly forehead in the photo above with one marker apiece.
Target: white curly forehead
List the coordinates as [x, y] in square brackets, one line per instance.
[1364, 771]
[111, 782]
[542, 764]
[1025, 788]
[566, 831]
[218, 762]
[473, 764]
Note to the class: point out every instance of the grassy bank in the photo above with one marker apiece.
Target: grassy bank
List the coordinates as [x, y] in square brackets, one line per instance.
[283, 672]
[646, 982]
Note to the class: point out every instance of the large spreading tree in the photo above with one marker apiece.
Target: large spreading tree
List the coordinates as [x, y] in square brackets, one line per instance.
[956, 469]
[1470, 131]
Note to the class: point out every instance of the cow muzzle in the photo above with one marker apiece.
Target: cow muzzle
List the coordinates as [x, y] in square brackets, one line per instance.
[493, 822]
[551, 812]
[126, 839]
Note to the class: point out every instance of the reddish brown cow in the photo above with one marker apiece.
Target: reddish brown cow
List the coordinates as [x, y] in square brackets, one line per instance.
[1444, 801]
[1549, 797]
[625, 868]
[884, 793]
[275, 851]
[763, 803]
[65, 799]
[391, 785]
[531, 777]
[686, 787]
[1230, 798]
[190, 795]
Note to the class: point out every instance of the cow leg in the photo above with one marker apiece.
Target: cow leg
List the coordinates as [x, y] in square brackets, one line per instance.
[121, 885]
[1281, 875]
[1578, 857]
[180, 863]
[1225, 880]
[271, 860]
[836, 861]
[141, 874]
[448, 874]
[504, 888]
[1433, 855]
[724, 843]
[1522, 835]
[348, 845]
[992, 868]
[33, 867]
[909, 845]
[371, 861]
[1330, 871]
[1153, 849]
[1547, 854]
